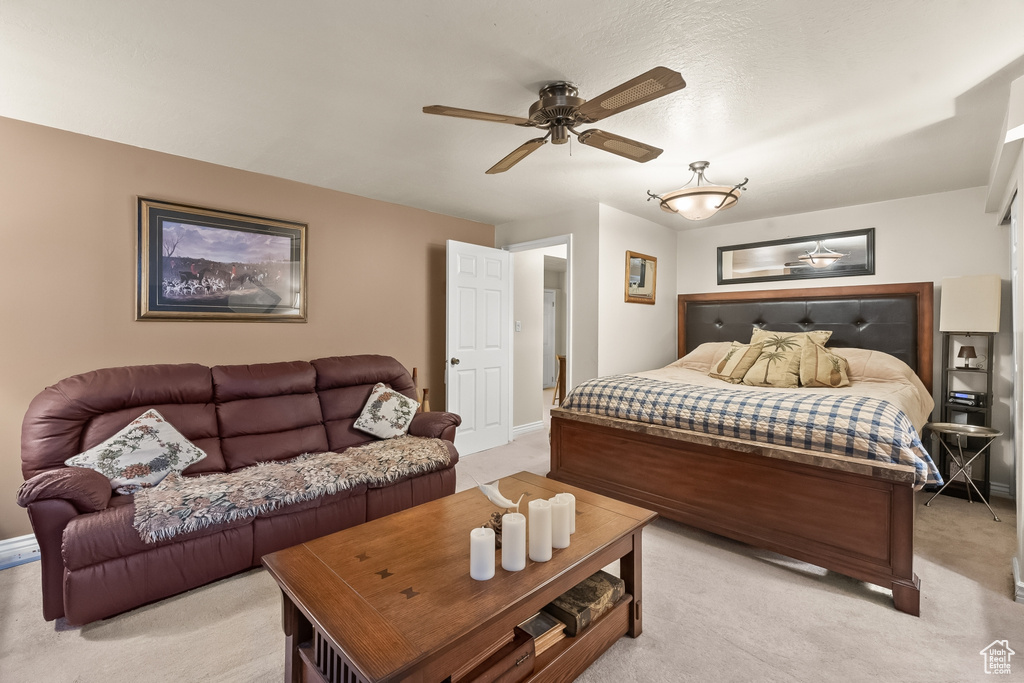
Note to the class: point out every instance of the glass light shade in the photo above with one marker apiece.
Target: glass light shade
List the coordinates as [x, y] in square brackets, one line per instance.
[821, 257]
[698, 203]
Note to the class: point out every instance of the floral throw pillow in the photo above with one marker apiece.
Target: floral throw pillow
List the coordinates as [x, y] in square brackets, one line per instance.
[140, 455]
[387, 414]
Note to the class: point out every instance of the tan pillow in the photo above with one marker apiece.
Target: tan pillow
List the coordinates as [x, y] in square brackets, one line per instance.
[701, 358]
[785, 341]
[775, 367]
[820, 368]
[732, 362]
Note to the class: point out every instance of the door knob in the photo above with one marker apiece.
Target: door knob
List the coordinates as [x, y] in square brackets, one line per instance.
[454, 361]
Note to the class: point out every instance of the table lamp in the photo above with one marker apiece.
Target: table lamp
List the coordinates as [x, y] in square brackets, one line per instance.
[967, 353]
[969, 304]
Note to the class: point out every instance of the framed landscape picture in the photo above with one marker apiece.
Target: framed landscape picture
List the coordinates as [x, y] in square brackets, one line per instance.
[203, 264]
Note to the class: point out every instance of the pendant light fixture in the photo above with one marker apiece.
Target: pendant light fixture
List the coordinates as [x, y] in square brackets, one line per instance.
[821, 257]
[701, 200]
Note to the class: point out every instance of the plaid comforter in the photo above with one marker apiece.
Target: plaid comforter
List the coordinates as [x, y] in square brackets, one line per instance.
[850, 425]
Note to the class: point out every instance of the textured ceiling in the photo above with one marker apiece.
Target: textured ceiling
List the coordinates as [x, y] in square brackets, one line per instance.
[820, 103]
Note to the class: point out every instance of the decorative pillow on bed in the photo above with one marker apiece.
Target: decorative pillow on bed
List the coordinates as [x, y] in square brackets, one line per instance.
[387, 413]
[821, 368]
[140, 455]
[733, 361]
[785, 341]
[775, 367]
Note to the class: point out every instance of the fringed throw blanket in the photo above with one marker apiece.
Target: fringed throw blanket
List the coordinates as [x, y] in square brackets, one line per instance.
[178, 505]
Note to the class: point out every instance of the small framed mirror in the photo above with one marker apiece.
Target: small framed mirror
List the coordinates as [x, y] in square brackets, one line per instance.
[641, 278]
[835, 254]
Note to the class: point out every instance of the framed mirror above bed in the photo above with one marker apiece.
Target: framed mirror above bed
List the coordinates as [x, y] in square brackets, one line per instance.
[835, 254]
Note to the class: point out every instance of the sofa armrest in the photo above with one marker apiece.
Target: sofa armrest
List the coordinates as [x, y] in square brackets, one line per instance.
[87, 490]
[439, 425]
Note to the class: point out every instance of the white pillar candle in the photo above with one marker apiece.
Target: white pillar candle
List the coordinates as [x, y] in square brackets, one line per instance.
[572, 510]
[540, 530]
[559, 522]
[481, 553]
[513, 541]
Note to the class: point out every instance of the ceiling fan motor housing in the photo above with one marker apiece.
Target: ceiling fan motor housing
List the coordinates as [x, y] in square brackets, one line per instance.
[556, 110]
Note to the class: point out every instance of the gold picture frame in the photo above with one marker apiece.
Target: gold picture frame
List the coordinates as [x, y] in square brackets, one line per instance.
[204, 264]
[641, 278]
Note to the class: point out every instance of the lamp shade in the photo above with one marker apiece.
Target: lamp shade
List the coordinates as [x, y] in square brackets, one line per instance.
[970, 304]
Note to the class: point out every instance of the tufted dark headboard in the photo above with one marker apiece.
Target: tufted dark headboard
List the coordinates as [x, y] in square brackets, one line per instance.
[896, 319]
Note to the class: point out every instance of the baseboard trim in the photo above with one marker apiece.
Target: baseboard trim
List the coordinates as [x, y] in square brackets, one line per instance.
[999, 490]
[18, 550]
[526, 429]
[1018, 581]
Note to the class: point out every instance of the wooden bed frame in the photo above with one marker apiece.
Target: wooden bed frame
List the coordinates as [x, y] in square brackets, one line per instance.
[857, 524]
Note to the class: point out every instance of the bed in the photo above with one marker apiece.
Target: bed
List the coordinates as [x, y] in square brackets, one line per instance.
[852, 517]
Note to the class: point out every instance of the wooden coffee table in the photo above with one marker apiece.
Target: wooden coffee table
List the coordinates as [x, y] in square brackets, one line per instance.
[392, 599]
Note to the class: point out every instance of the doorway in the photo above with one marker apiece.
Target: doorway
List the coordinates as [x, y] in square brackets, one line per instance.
[541, 327]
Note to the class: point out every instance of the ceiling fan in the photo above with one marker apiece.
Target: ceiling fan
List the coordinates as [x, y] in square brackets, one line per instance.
[559, 111]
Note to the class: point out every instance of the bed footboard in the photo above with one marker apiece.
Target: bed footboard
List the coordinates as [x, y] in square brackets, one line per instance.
[851, 523]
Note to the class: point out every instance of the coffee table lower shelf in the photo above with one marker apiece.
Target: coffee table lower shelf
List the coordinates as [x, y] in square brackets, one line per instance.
[563, 661]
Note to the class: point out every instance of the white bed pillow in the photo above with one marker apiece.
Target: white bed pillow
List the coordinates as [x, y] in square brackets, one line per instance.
[701, 358]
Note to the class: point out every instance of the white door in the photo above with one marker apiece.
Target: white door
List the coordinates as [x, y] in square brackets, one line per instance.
[550, 366]
[478, 345]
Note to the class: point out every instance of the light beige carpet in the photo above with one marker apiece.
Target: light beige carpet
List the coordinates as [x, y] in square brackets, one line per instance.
[714, 610]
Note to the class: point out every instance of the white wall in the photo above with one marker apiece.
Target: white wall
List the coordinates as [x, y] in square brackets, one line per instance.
[582, 224]
[1015, 186]
[528, 337]
[555, 279]
[634, 337]
[917, 239]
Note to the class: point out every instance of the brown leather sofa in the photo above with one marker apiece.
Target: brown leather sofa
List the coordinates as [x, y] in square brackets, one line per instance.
[94, 563]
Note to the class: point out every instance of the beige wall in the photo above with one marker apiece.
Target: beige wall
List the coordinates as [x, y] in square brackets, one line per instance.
[68, 223]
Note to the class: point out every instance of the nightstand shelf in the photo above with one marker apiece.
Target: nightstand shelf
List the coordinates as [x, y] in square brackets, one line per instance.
[974, 381]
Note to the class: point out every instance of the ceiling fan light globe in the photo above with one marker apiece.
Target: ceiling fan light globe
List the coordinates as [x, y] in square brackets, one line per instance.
[821, 261]
[699, 203]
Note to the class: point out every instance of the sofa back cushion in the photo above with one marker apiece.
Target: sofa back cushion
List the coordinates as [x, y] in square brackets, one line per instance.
[238, 415]
[80, 412]
[268, 411]
[344, 384]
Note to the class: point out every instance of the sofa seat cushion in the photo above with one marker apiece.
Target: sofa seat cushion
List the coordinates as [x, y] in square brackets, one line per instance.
[109, 534]
[354, 492]
[294, 524]
[453, 455]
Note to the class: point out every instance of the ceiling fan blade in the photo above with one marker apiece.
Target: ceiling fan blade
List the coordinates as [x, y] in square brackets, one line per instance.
[478, 115]
[657, 82]
[616, 144]
[517, 155]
